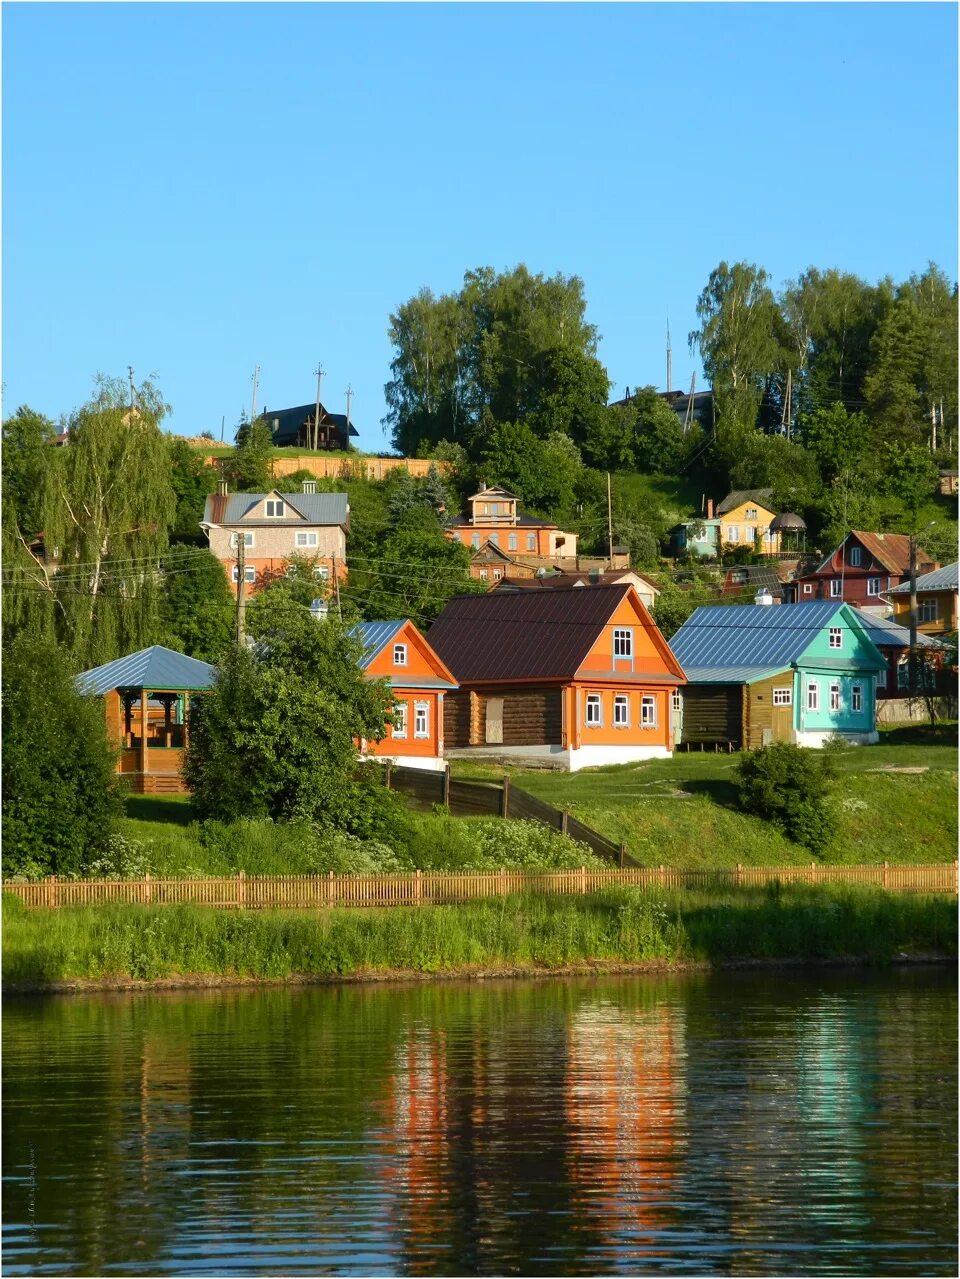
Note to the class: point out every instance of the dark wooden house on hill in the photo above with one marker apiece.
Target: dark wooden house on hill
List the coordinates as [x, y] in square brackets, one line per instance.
[294, 428]
[576, 677]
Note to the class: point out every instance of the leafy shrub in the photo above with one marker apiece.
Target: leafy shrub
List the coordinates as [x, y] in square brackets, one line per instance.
[121, 859]
[790, 786]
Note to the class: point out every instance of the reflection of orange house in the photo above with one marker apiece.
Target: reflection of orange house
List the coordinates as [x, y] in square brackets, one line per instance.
[579, 676]
[621, 1108]
[494, 518]
[398, 652]
[147, 705]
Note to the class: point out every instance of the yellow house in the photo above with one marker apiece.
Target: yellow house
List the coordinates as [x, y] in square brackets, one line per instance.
[745, 518]
[936, 601]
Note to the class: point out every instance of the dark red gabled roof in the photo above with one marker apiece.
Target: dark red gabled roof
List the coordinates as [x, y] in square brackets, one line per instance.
[533, 635]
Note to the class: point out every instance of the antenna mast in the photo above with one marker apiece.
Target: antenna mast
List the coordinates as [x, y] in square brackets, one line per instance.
[349, 394]
[669, 360]
[253, 402]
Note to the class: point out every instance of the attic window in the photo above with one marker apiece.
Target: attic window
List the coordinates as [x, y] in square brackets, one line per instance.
[399, 654]
[275, 509]
[622, 642]
[751, 513]
[836, 637]
[856, 556]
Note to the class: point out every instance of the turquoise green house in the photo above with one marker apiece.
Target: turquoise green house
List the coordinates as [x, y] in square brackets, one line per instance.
[792, 672]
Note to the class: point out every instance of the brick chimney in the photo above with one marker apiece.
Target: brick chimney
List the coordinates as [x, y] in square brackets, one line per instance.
[709, 508]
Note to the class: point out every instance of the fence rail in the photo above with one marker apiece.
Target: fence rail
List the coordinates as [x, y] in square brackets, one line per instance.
[291, 892]
[497, 799]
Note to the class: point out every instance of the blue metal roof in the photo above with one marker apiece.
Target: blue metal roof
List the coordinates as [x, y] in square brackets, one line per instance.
[888, 634]
[941, 579]
[739, 643]
[152, 668]
[374, 636]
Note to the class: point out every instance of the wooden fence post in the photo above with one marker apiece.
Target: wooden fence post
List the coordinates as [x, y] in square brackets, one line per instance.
[886, 867]
[502, 881]
[583, 879]
[623, 856]
[663, 876]
[956, 877]
[330, 883]
[241, 889]
[418, 888]
[147, 889]
[505, 797]
[446, 786]
[739, 869]
[53, 897]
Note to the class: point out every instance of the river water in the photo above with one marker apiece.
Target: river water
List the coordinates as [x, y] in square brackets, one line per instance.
[775, 1124]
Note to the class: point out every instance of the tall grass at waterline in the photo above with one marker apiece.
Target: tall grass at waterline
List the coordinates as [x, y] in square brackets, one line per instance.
[525, 930]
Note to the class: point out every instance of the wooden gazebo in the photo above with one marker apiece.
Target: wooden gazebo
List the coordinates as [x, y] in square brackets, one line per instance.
[147, 707]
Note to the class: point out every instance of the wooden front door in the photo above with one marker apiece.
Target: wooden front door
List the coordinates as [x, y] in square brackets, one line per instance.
[495, 721]
[782, 723]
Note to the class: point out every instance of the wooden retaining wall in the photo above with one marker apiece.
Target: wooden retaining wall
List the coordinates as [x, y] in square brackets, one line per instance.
[308, 892]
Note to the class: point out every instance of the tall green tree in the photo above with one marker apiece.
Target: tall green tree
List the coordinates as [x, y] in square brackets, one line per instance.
[197, 608]
[192, 479]
[741, 340]
[59, 787]
[28, 445]
[108, 508]
[249, 466]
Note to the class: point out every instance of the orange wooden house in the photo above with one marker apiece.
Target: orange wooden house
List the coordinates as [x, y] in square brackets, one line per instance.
[578, 677]
[398, 652]
[147, 707]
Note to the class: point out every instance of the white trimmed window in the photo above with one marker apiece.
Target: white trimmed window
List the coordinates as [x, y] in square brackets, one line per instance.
[783, 697]
[808, 588]
[512, 542]
[531, 541]
[421, 719]
[677, 700]
[249, 573]
[399, 654]
[928, 610]
[856, 698]
[622, 642]
[855, 557]
[836, 637]
[497, 574]
[321, 572]
[475, 541]
[306, 539]
[873, 586]
[483, 575]
[247, 540]
[813, 696]
[751, 513]
[836, 701]
[733, 533]
[621, 711]
[836, 588]
[275, 509]
[594, 715]
[399, 726]
[648, 712]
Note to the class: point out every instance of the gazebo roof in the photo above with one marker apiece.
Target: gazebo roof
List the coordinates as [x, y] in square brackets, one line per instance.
[156, 668]
[788, 520]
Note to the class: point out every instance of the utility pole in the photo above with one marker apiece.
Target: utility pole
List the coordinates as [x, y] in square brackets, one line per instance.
[788, 405]
[253, 402]
[241, 583]
[349, 394]
[223, 424]
[130, 376]
[316, 416]
[669, 360]
[688, 416]
[609, 524]
[933, 428]
[913, 614]
[336, 585]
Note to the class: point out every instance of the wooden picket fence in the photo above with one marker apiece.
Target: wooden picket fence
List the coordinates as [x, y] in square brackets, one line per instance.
[308, 892]
[497, 799]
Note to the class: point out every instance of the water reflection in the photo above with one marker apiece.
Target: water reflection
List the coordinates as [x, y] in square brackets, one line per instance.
[736, 1124]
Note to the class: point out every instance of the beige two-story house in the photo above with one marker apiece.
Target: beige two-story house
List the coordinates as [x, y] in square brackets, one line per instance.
[276, 527]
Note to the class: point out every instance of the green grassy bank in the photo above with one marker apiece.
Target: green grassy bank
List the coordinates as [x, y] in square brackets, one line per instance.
[525, 932]
[683, 812]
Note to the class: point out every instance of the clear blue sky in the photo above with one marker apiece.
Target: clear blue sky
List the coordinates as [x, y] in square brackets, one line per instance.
[194, 189]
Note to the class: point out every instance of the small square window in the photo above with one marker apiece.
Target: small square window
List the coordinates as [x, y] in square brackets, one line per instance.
[928, 610]
[484, 575]
[808, 588]
[621, 711]
[873, 586]
[275, 509]
[836, 637]
[399, 654]
[648, 712]
[497, 574]
[321, 572]
[783, 697]
[247, 540]
[249, 573]
[594, 710]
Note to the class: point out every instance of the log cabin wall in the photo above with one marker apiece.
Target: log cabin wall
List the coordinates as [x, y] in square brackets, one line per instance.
[456, 719]
[762, 721]
[531, 717]
[712, 713]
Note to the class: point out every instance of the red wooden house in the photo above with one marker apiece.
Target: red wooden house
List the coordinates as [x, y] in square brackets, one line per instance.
[577, 677]
[860, 570]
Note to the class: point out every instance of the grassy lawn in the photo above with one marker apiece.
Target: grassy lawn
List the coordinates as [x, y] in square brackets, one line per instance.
[683, 811]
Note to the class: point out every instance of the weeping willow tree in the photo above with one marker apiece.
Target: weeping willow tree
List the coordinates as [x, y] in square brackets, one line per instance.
[108, 506]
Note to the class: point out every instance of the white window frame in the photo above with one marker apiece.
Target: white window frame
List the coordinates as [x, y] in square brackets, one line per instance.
[623, 639]
[475, 541]
[484, 575]
[274, 508]
[321, 572]
[677, 700]
[305, 539]
[249, 573]
[751, 513]
[733, 533]
[856, 698]
[399, 726]
[855, 558]
[813, 695]
[421, 720]
[836, 588]
[873, 585]
[648, 711]
[621, 710]
[248, 540]
[497, 574]
[399, 654]
[593, 711]
[783, 697]
[836, 696]
[836, 637]
[927, 610]
[808, 588]
[531, 541]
